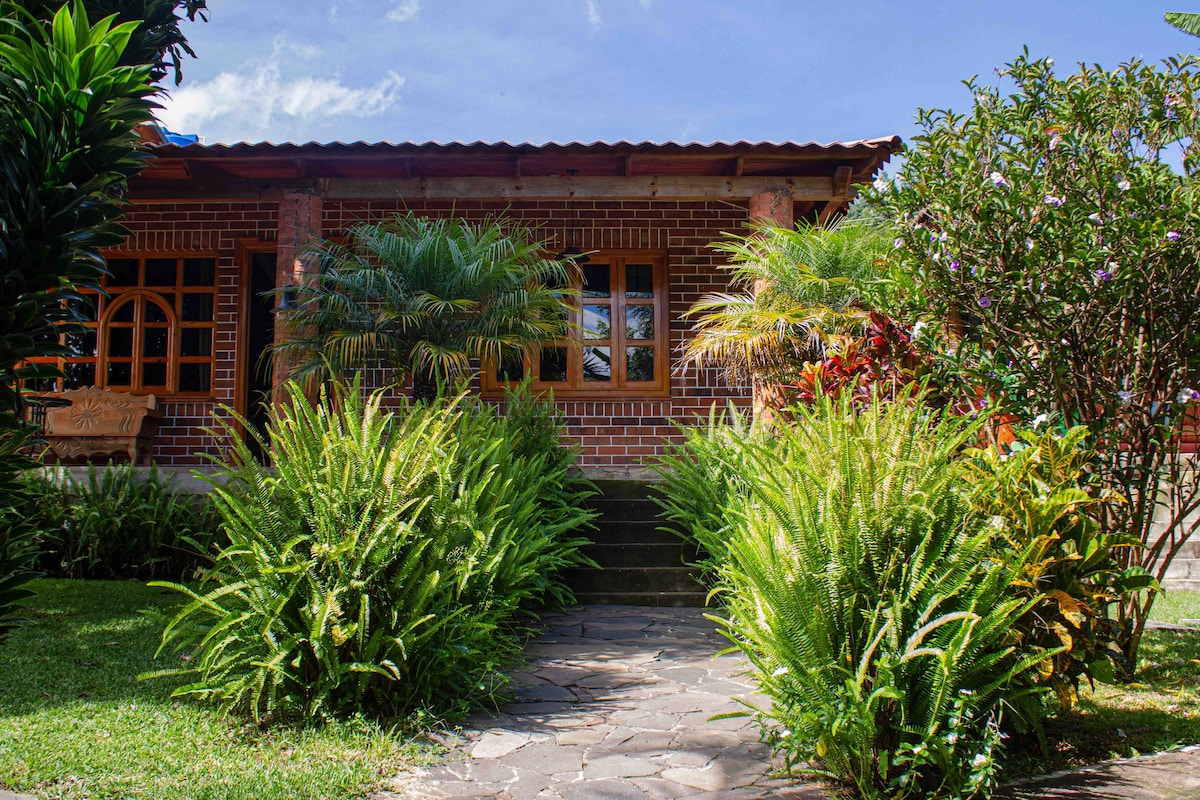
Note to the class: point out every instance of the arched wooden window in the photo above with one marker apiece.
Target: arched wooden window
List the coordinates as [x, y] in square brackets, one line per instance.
[137, 344]
[154, 332]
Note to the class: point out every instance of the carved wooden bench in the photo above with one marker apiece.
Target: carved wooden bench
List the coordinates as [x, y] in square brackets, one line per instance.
[99, 423]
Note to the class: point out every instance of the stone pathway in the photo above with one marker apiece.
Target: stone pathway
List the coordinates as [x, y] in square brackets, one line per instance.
[616, 704]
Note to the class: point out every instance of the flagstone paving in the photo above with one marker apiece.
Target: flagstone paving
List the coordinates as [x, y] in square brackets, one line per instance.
[617, 703]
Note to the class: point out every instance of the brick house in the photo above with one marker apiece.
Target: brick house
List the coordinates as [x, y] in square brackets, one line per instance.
[215, 226]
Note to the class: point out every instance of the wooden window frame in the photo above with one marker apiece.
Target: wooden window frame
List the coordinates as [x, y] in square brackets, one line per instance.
[618, 387]
[140, 293]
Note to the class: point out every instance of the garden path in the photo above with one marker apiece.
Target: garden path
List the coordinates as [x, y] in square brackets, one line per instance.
[615, 704]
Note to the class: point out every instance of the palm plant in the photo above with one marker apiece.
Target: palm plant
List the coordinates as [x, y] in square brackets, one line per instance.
[799, 288]
[426, 298]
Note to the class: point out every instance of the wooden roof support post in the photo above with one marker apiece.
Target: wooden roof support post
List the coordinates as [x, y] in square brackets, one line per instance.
[775, 206]
[300, 215]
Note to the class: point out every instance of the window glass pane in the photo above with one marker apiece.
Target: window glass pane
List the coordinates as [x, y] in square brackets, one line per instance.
[155, 313]
[195, 342]
[154, 375]
[124, 313]
[596, 281]
[639, 363]
[80, 375]
[122, 272]
[195, 377]
[199, 272]
[639, 280]
[553, 365]
[82, 343]
[639, 322]
[154, 342]
[120, 342]
[41, 385]
[597, 322]
[511, 369]
[597, 363]
[120, 374]
[197, 307]
[84, 308]
[160, 272]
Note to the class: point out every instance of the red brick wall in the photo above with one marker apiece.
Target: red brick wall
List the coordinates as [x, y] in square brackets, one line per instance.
[203, 228]
[613, 434]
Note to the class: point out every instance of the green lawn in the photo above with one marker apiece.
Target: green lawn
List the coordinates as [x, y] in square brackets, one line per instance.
[1159, 711]
[76, 723]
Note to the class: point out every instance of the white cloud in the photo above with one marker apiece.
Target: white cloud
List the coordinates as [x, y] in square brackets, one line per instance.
[333, 11]
[593, 12]
[246, 103]
[404, 10]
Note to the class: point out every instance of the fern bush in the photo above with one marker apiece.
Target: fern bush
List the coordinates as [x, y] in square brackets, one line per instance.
[118, 523]
[383, 562]
[863, 589]
[702, 476]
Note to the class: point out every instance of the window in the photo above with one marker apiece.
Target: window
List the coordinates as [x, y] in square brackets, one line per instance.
[154, 333]
[621, 344]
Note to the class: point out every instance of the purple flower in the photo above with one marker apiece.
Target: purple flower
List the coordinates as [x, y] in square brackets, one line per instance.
[954, 265]
[1051, 200]
[998, 179]
[933, 237]
[984, 301]
[1172, 236]
[898, 243]
[1104, 275]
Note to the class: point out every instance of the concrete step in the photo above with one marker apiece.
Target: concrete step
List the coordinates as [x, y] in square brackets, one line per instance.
[1188, 584]
[639, 554]
[646, 532]
[668, 599]
[633, 579]
[625, 490]
[624, 509]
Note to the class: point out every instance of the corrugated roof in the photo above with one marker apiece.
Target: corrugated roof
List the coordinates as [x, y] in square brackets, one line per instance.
[891, 144]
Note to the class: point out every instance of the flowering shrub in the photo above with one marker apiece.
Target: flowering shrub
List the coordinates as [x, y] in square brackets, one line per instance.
[1050, 236]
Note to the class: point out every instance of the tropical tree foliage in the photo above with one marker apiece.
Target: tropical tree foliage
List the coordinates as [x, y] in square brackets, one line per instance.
[1189, 23]
[1052, 233]
[798, 288]
[428, 298]
[157, 40]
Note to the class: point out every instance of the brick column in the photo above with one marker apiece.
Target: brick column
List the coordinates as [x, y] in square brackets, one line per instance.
[776, 206]
[299, 224]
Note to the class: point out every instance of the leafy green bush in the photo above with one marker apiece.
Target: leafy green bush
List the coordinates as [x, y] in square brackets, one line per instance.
[382, 563]
[865, 592]
[1041, 489]
[18, 534]
[121, 524]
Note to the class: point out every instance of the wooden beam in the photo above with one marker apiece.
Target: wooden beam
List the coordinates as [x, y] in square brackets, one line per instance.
[583, 188]
[841, 181]
[739, 164]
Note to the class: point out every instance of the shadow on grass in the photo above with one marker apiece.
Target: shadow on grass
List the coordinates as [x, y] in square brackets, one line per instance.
[86, 643]
[1161, 710]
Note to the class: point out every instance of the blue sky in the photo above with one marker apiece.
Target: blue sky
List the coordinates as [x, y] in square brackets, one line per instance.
[659, 70]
